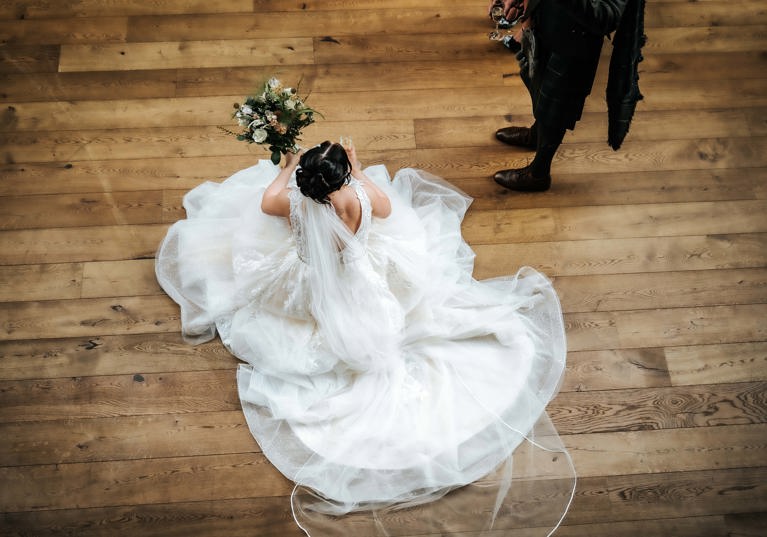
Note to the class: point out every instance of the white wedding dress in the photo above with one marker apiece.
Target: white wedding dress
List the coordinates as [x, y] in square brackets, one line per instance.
[378, 375]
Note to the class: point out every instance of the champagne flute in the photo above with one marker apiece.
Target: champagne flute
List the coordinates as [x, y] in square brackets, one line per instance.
[348, 145]
[346, 142]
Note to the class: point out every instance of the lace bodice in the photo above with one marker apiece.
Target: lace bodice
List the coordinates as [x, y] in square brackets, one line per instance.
[297, 201]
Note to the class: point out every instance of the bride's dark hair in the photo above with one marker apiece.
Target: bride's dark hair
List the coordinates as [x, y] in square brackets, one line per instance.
[322, 170]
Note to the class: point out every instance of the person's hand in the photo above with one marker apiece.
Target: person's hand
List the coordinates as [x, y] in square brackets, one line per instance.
[292, 159]
[351, 152]
[512, 9]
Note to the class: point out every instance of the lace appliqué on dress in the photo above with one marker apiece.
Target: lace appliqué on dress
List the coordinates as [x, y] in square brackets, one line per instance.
[296, 223]
[367, 211]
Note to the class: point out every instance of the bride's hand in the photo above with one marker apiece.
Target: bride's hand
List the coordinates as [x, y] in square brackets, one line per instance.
[351, 152]
[292, 159]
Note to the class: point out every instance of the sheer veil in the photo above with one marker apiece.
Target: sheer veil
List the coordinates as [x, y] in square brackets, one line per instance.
[356, 313]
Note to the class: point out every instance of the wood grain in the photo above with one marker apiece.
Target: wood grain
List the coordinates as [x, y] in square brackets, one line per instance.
[35, 87]
[173, 55]
[139, 482]
[666, 450]
[76, 244]
[112, 425]
[33, 9]
[659, 328]
[95, 209]
[736, 362]
[76, 318]
[138, 394]
[660, 408]
[125, 354]
[125, 438]
[40, 282]
[627, 256]
[67, 31]
[662, 290]
[586, 223]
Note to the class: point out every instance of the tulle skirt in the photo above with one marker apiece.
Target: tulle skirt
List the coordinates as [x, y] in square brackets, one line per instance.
[445, 430]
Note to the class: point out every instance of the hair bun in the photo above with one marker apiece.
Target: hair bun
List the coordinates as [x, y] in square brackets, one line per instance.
[312, 185]
[322, 170]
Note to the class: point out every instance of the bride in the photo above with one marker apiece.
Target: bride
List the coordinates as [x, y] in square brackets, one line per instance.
[401, 395]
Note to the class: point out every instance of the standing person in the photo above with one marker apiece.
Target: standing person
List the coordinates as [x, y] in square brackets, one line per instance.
[377, 373]
[561, 45]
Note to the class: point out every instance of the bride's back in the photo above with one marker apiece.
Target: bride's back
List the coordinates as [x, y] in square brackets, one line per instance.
[347, 207]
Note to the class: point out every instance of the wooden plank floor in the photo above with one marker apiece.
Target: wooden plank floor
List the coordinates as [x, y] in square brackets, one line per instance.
[110, 425]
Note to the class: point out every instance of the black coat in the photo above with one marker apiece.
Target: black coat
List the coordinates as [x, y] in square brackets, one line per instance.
[623, 82]
[570, 34]
[576, 28]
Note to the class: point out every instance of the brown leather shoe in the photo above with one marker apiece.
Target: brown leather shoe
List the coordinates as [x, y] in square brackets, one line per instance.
[522, 180]
[518, 136]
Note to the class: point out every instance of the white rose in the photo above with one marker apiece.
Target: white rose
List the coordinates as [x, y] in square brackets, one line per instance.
[274, 83]
[290, 104]
[259, 135]
[245, 109]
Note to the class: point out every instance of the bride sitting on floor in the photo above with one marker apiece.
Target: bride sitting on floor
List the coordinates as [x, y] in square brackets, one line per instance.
[378, 373]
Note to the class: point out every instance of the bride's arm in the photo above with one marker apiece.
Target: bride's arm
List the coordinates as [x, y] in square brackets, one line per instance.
[379, 201]
[276, 201]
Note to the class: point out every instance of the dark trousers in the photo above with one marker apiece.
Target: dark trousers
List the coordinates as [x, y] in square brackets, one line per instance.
[559, 88]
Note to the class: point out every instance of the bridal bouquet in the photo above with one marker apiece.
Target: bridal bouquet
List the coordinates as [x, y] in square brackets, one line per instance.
[275, 118]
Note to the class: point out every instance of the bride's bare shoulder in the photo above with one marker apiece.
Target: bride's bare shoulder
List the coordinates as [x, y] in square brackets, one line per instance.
[347, 207]
[345, 198]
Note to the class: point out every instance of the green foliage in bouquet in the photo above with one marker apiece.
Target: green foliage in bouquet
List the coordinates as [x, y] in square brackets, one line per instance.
[275, 117]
